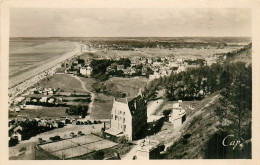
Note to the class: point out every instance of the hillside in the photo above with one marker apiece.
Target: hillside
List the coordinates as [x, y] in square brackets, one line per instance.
[220, 127]
[200, 125]
[243, 56]
[201, 136]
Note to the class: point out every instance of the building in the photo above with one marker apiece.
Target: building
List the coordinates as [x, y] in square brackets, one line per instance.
[128, 118]
[147, 149]
[89, 71]
[178, 115]
[154, 76]
[120, 67]
[83, 71]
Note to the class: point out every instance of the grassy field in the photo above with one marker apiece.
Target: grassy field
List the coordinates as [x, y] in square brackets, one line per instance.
[102, 107]
[129, 86]
[63, 81]
[103, 102]
[25, 55]
[156, 52]
[52, 112]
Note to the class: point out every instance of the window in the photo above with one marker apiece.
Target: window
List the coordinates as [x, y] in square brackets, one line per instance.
[123, 120]
[115, 117]
[124, 113]
[120, 112]
[124, 127]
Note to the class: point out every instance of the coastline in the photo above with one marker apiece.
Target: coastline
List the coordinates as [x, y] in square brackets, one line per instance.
[25, 81]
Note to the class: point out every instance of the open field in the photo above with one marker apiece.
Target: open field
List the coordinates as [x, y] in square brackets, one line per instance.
[77, 146]
[51, 112]
[129, 86]
[156, 52]
[63, 81]
[103, 102]
[102, 107]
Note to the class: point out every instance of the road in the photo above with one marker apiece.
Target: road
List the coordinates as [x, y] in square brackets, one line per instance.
[91, 94]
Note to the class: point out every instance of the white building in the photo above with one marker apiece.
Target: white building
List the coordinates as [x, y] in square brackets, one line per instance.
[83, 71]
[86, 71]
[128, 118]
[43, 99]
[89, 71]
[178, 115]
[154, 76]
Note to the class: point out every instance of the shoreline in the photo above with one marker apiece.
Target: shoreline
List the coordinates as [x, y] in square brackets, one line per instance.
[41, 72]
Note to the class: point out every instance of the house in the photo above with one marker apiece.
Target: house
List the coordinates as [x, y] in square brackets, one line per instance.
[128, 118]
[50, 93]
[51, 100]
[89, 71]
[43, 99]
[83, 71]
[147, 149]
[154, 76]
[178, 115]
[15, 132]
[120, 67]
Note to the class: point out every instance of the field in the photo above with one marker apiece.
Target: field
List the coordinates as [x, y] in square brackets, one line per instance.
[63, 81]
[156, 52]
[78, 146]
[103, 102]
[68, 85]
[129, 86]
[51, 112]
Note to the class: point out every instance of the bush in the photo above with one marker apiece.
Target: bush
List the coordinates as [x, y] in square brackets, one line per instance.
[186, 136]
[99, 155]
[122, 140]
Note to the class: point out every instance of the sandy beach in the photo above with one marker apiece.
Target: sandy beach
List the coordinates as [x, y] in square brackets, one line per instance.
[21, 82]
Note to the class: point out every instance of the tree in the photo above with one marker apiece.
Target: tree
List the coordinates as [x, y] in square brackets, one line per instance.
[236, 102]
[99, 155]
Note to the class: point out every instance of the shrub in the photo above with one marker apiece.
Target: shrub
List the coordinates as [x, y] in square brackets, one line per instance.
[99, 155]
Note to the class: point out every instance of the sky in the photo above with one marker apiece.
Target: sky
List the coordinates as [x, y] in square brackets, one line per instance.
[116, 22]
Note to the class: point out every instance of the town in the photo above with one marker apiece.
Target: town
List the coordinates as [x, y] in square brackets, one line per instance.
[76, 110]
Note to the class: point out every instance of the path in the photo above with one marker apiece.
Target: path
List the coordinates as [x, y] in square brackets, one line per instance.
[91, 93]
[151, 108]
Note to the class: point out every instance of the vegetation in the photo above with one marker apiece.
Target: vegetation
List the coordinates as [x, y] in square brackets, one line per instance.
[194, 84]
[77, 110]
[99, 155]
[230, 114]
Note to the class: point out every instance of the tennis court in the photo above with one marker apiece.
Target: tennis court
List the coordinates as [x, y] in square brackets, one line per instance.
[81, 145]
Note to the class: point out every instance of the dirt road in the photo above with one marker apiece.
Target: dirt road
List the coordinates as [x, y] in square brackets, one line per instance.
[91, 94]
